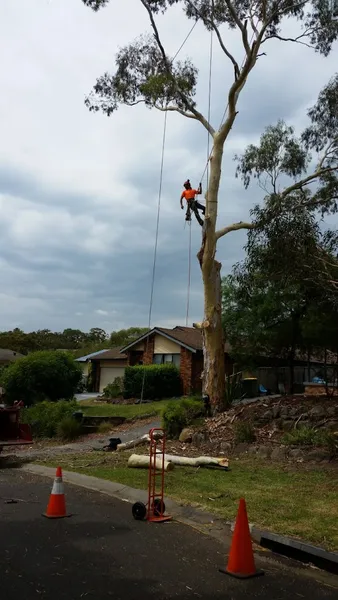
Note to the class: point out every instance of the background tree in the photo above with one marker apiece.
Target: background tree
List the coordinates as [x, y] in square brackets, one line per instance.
[41, 375]
[146, 73]
[284, 296]
[123, 337]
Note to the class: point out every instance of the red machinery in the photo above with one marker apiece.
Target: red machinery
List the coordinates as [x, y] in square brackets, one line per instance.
[155, 508]
[12, 432]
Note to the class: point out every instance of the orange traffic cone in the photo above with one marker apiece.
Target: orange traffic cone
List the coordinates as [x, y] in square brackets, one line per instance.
[241, 563]
[56, 508]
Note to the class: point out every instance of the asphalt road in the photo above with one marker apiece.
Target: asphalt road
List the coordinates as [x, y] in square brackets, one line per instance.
[101, 552]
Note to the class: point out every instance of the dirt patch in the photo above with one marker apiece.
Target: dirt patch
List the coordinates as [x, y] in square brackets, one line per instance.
[259, 428]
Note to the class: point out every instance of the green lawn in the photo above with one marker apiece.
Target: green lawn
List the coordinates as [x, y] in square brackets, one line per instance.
[130, 411]
[302, 503]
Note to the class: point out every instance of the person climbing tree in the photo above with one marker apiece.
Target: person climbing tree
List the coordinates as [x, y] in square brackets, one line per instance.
[192, 204]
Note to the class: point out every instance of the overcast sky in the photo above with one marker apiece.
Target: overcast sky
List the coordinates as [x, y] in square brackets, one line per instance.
[78, 191]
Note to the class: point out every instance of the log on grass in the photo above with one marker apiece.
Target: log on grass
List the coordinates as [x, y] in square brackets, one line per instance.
[144, 439]
[200, 461]
[139, 461]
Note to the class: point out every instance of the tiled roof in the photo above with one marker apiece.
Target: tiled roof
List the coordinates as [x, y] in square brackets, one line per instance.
[111, 354]
[89, 356]
[9, 355]
[189, 336]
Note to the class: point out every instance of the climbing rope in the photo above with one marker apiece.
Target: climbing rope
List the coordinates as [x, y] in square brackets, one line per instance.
[225, 112]
[158, 215]
[189, 277]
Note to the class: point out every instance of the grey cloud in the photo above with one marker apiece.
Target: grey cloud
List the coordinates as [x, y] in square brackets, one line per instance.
[80, 191]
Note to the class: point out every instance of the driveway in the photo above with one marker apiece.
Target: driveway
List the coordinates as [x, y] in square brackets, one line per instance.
[101, 552]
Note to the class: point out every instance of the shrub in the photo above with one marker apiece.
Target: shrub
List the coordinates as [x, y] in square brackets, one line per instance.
[244, 433]
[45, 417]
[160, 381]
[69, 429]
[181, 413]
[309, 436]
[114, 389]
[105, 427]
[42, 375]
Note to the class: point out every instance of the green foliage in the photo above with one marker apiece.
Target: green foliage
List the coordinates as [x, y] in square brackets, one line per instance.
[279, 152]
[42, 375]
[45, 417]
[178, 415]
[244, 433]
[123, 337]
[309, 436]
[160, 381]
[104, 427]
[114, 389]
[69, 429]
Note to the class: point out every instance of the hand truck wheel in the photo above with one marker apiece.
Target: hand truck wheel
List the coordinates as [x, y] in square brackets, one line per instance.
[139, 511]
[158, 507]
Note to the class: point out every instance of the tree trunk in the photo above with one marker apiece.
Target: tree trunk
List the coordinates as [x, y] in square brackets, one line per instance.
[213, 342]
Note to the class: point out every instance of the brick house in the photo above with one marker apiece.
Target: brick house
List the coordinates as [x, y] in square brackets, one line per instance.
[181, 346]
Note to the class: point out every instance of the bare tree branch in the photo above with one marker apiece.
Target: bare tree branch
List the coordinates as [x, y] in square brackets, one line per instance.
[219, 37]
[234, 227]
[300, 184]
[167, 64]
[188, 115]
[240, 25]
[282, 39]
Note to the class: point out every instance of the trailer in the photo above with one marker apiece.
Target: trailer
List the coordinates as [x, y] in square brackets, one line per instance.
[12, 432]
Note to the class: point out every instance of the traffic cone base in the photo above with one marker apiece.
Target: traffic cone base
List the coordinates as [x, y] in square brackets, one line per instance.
[242, 576]
[56, 508]
[241, 562]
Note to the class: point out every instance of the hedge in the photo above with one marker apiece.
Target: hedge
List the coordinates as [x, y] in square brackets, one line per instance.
[47, 374]
[160, 381]
[178, 415]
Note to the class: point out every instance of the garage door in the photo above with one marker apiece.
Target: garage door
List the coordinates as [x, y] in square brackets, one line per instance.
[108, 374]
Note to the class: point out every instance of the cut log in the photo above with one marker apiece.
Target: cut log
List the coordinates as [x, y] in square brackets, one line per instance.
[144, 439]
[142, 462]
[139, 461]
[200, 461]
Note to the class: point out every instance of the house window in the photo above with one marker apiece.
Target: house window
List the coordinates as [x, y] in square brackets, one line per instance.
[161, 359]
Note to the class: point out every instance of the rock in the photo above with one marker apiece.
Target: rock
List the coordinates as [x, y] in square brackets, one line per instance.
[284, 412]
[275, 411]
[186, 435]
[317, 455]
[288, 425]
[278, 454]
[331, 411]
[267, 416]
[200, 437]
[293, 413]
[295, 453]
[225, 446]
[264, 451]
[332, 425]
[241, 448]
[317, 412]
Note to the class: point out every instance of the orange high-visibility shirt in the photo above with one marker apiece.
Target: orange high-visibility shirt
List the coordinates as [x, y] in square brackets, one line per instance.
[189, 194]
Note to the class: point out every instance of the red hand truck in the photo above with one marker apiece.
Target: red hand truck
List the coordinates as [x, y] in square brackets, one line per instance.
[155, 508]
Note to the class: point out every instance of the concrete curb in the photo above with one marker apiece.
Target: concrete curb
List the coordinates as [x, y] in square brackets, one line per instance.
[202, 521]
[297, 550]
